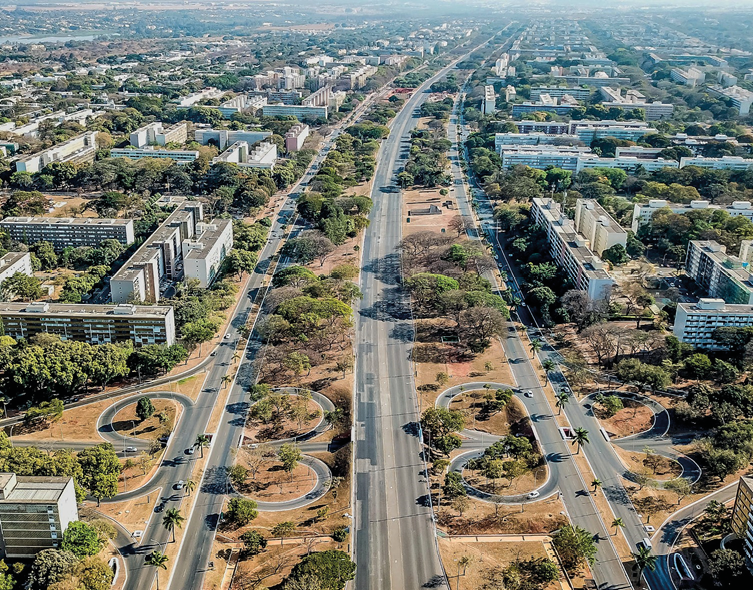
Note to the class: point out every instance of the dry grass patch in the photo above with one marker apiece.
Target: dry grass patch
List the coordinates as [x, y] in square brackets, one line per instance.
[655, 466]
[285, 427]
[127, 423]
[470, 403]
[633, 418]
[273, 484]
[527, 482]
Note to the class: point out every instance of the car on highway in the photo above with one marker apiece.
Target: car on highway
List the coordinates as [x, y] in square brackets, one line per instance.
[532, 495]
[179, 485]
[227, 336]
[190, 451]
[159, 507]
[131, 450]
[528, 393]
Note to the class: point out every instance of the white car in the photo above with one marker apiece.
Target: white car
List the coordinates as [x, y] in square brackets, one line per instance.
[227, 336]
[131, 450]
[533, 495]
[528, 393]
[179, 485]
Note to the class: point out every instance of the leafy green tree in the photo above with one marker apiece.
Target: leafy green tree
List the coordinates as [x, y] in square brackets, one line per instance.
[575, 545]
[644, 559]
[616, 254]
[253, 542]
[440, 422]
[241, 511]
[726, 567]
[332, 568]
[580, 437]
[49, 567]
[81, 539]
[284, 529]
[21, 286]
[144, 408]
[453, 486]
[100, 469]
[289, 455]
[93, 573]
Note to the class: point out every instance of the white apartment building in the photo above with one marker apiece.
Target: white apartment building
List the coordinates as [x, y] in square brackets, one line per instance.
[516, 139]
[718, 274]
[203, 257]
[263, 155]
[627, 163]
[299, 111]
[155, 134]
[597, 226]
[178, 156]
[34, 513]
[570, 250]
[723, 163]
[14, 262]
[82, 148]
[295, 137]
[490, 101]
[241, 104]
[642, 213]
[62, 232]
[588, 133]
[576, 92]
[541, 159]
[186, 102]
[636, 100]
[691, 77]
[548, 127]
[158, 258]
[95, 324]
[741, 99]
[726, 79]
[224, 137]
[695, 322]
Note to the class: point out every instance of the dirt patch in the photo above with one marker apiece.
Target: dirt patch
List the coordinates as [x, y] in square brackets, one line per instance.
[633, 418]
[653, 465]
[428, 210]
[132, 514]
[470, 403]
[486, 557]
[270, 568]
[287, 426]
[527, 482]
[273, 484]
[188, 386]
[127, 423]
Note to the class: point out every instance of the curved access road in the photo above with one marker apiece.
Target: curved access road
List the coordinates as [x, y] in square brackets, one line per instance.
[655, 437]
[325, 404]
[479, 441]
[323, 479]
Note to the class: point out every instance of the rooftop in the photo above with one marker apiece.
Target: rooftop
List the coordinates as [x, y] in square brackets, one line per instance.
[31, 489]
[84, 310]
[66, 221]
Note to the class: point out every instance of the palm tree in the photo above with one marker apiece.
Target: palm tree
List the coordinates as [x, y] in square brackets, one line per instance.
[536, 345]
[236, 356]
[172, 519]
[202, 441]
[580, 437]
[158, 560]
[190, 486]
[562, 400]
[548, 365]
[596, 483]
[644, 560]
[226, 379]
[618, 523]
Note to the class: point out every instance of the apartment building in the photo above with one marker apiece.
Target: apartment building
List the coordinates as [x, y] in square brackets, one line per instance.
[643, 212]
[627, 163]
[570, 250]
[295, 137]
[190, 100]
[573, 126]
[540, 159]
[742, 518]
[299, 111]
[34, 513]
[14, 262]
[263, 155]
[741, 98]
[594, 223]
[548, 127]
[158, 259]
[695, 322]
[718, 274]
[203, 257]
[224, 137]
[489, 106]
[545, 106]
[178, 156]
[82, 148]
[723, 163]
[502, 140]
[691, 77]
[320, 98]
[95, 324]
[155, 134]
[633, 99]
[243, 103]
[588, 133]
[62, 232]
[576, 92]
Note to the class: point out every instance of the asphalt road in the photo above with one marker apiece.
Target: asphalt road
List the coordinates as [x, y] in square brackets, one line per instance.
[608, 571]
[394, 533]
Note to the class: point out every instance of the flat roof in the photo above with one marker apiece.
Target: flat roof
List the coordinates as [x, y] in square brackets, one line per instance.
[65, 221]
[729, 308]
[82, 310]
[208, 239]
[36, 489]
[602, 215]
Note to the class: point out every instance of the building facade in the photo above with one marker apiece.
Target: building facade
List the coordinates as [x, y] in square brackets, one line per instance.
[178, 156]
[299, 111]
[95, 324]
[79, 149]
[742, 518]
[34, 513]
[643, 212]
[597, 226]
[695, 322]
[14, 262]
[719, 275]
[225, 137]
[295, 137]
[62, 232]
[570, 250]
[203, 257]
[155, 134]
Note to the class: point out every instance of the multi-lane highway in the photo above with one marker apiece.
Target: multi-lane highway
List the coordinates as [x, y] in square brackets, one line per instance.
[581, 509]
